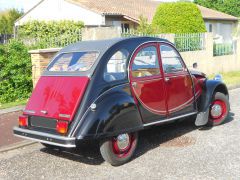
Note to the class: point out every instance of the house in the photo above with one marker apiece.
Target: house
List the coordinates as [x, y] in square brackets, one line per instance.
[124, 14]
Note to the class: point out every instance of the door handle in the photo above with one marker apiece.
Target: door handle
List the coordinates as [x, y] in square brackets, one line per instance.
[167, 79]
[134, 84]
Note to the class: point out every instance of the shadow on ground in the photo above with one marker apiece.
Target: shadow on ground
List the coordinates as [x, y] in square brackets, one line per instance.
[168, 135]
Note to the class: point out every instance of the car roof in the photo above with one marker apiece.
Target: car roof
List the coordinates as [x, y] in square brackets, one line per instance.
[104, 45]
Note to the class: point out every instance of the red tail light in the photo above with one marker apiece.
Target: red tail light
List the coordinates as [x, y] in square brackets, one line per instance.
[62, 127]
[23, 121]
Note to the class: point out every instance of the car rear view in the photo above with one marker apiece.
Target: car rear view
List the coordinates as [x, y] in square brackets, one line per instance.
[56, 98]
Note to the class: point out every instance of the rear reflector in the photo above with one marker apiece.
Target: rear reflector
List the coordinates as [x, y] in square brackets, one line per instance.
[23, 121]
[62, 127]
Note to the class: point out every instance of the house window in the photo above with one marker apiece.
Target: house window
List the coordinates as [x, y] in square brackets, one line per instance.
[210, 28]
[125, 27]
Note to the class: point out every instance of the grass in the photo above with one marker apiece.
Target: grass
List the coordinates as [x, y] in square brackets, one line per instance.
[13, 104]
[230, 78]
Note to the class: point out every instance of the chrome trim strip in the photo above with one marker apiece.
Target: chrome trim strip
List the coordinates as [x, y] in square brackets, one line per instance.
[170, 119]
[45, 135]
[47, 142]
[29, 111]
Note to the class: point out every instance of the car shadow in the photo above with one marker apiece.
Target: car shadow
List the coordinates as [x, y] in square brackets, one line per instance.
[87, 153]
[170, 135]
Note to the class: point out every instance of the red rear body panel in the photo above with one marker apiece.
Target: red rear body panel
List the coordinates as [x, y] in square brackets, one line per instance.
[57, 97]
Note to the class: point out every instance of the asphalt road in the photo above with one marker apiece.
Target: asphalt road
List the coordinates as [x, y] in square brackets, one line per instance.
[7, 121]
[175, 151]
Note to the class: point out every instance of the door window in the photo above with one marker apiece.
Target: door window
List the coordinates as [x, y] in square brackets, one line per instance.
[171, 60]
[146, 63]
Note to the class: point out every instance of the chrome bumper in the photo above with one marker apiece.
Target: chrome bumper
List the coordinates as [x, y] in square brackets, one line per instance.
[45, 137]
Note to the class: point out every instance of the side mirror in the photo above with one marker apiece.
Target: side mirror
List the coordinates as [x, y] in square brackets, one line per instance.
[195, 65]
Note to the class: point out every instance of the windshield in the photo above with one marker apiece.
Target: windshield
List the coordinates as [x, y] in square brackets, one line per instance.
[74, 61]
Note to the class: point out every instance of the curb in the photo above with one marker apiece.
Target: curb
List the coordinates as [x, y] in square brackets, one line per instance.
[12, 109]
[16, 145]
[232, 87]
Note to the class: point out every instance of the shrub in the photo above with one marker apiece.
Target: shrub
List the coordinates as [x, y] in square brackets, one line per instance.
[42, 29]
[41, 34]
[179, 17]
[15, 72]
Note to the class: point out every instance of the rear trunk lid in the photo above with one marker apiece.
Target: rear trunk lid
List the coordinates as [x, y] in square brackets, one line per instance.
[57, 97]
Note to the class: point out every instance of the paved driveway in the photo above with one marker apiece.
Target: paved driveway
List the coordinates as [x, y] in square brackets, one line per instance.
[175, 151]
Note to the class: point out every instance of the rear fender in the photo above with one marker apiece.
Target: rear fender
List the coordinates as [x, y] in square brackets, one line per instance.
[115, 113]
[209, 89]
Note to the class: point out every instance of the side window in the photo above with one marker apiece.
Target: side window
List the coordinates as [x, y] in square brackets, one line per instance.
[171, 61]
[116, 66]
[146, 63]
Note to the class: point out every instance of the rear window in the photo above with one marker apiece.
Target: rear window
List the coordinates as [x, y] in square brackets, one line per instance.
[74, 61]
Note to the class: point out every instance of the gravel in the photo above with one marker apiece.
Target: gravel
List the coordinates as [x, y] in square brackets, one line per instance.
[174, 151]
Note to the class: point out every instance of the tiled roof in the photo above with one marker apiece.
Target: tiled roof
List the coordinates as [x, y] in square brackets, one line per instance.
[134, 8]
[213, 14]
[129, 8]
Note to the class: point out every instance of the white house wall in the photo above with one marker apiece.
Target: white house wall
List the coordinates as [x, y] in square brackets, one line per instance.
[222, 30]
[50, 10]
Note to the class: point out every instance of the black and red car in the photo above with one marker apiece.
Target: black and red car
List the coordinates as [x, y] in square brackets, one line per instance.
[109, 90]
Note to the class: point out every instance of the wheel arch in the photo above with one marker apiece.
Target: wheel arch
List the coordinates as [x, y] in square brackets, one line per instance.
[115, 113]
[204, 102]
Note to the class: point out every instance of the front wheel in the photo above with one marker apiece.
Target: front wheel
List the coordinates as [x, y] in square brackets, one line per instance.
[120, 149]
[219, 109]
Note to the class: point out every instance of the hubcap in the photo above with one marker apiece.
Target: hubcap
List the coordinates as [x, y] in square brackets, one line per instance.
[123, 141]
[216, 110]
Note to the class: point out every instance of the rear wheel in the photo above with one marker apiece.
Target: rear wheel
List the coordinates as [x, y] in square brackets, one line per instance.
[219, 109]
[120, 149]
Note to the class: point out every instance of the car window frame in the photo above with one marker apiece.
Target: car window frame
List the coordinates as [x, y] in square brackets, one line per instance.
[179, 56]
[137, 50]
[55, 58]
[126, 68]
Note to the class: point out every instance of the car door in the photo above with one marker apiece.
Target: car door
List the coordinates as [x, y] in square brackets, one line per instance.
[147, 83]
[178, 82]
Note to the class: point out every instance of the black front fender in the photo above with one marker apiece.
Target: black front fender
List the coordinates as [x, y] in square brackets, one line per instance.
[209, 89]
[115, 113]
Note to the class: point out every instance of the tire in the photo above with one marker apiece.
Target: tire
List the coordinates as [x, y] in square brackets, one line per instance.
[115, 155]
[219, 109]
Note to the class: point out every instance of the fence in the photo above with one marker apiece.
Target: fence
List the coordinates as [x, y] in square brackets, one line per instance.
[183, 42]
[190, 42]
[53, 42]
[4, 38]
[222, 49]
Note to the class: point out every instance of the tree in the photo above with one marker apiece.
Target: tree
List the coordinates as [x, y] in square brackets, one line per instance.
[144, 27]
[180, 17]
[7, 20]
[227, 6]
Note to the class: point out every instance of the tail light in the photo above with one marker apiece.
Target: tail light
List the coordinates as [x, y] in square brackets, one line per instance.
[23, 121]
[62, 127]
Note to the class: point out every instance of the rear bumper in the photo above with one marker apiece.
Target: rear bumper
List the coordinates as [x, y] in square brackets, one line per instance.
[45, 137]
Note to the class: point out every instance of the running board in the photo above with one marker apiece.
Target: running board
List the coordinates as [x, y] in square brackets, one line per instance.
[169, 119]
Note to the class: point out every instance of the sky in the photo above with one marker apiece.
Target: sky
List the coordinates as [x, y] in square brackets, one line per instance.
[24, 5]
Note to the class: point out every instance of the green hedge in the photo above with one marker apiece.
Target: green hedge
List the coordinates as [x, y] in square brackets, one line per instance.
[179, 17]
[43, 29]
[15, 72]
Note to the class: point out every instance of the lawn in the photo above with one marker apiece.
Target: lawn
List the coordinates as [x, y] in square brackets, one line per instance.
[12, 104]
[230, 78]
